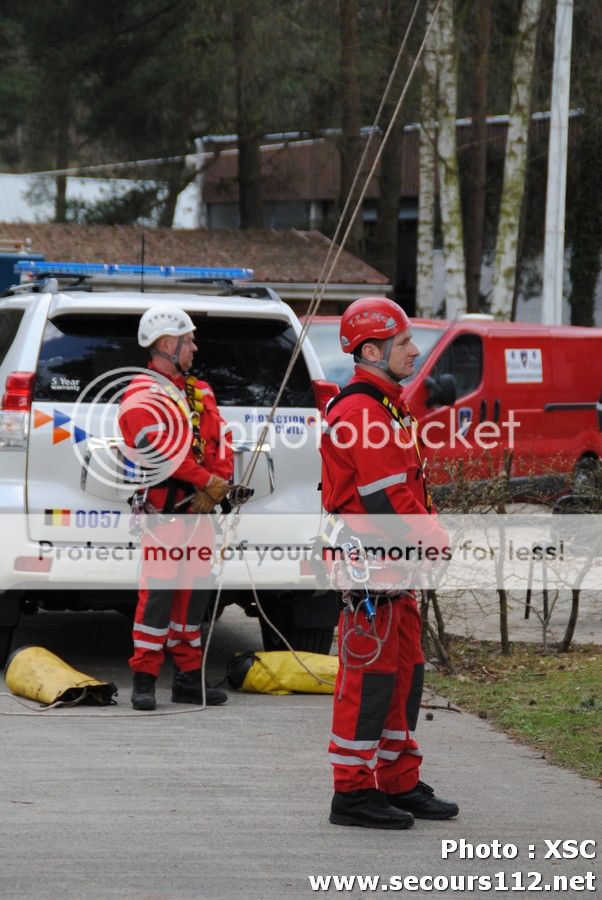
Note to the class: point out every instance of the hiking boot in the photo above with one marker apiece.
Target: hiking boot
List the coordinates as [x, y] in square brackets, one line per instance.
[368, 808]
[187, 687]
[143, 695]
[423, 804]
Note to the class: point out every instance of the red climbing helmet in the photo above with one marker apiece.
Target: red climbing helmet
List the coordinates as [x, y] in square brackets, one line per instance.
[371, 317]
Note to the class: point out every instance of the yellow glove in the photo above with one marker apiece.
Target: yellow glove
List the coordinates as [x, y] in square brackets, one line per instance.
[205, 499]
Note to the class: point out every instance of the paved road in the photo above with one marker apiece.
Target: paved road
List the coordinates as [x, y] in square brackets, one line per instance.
[232, 802]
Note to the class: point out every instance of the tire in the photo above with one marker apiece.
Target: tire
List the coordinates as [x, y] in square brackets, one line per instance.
[313, 640]
[6, 636]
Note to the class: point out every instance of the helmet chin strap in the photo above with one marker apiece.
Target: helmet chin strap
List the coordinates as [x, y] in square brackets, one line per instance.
[383, 364]
[174, 358]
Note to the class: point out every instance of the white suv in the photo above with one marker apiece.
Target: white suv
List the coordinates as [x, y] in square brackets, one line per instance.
[62, 336]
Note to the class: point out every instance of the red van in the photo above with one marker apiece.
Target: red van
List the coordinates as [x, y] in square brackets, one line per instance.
[482, 386]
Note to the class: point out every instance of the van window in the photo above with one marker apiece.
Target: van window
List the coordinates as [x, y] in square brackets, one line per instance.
[244, 359]
[463, 359]
[10, 319]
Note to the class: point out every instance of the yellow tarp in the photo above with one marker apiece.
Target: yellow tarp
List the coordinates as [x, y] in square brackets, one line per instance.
[38, 674]
[279, 672]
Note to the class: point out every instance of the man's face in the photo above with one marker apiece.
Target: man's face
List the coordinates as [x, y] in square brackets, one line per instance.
[187, 349]
[403, 354]
[401, 359]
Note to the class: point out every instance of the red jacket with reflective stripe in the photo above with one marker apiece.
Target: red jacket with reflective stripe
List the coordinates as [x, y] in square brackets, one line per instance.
[373, 473]
[150, 418]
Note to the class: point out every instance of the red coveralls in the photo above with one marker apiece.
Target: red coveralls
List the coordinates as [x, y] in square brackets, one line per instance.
[168, 616]
[372, 742]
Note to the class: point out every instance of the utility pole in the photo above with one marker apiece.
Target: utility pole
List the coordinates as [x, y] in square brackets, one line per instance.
[201, 211]
[553, 264]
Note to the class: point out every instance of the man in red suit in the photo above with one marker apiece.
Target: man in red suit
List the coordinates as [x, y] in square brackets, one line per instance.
[373, 748]
[170, 418]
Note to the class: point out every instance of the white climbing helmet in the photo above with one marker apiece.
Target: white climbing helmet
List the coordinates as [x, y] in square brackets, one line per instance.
[159, 321]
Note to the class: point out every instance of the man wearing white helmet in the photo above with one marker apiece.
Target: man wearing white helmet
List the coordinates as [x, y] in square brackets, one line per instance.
[171, 422]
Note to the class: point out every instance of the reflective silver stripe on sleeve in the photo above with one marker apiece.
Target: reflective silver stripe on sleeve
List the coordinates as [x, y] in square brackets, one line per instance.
[340, 760]
[157, 426]
[147, 645]
[195, 643]
[373, 486]
[172, 643]
[148, 629]
[192, 628]
[353, 745]
[175, 626]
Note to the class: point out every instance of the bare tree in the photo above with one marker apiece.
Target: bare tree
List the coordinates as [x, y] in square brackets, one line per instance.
[248, 118]
[426, 174]
[351, 140]
[474, 231]
[449, 181]
[515, 162]
[390, 169]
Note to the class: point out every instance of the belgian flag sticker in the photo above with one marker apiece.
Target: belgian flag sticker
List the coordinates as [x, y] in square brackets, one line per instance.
[57, 516]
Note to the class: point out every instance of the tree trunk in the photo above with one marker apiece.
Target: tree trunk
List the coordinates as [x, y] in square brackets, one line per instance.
[587, 228]
[351, 141]
[62, 160]
[426, 175]
[475, 213]
[515, 163]
[449, 181]
[176, 182]
[565, 643]
[247, 119]
[504, 636]
[386, 236]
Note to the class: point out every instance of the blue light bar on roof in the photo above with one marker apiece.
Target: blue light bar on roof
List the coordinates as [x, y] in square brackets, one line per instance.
[115, 270]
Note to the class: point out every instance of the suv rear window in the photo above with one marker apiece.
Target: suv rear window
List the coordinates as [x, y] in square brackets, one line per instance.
[244, 359]
[10, 319]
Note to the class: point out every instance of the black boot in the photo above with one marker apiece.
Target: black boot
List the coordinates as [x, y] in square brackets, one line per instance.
[143, 695]
[423, 804]
[187, 687]
[369, 808]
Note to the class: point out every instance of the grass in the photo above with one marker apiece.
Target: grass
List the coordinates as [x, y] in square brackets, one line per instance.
[552, 703]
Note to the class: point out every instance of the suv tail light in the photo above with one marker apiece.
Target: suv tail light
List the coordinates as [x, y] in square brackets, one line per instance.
[323, 392]
[14, 412]
[18, 391]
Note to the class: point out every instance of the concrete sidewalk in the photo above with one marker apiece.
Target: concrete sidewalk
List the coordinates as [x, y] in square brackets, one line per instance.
[233, 802]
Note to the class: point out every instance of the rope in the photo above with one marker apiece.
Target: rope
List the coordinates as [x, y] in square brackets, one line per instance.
[326, 272]
[329, 269]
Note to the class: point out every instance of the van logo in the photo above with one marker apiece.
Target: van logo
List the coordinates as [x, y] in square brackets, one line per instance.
[464, 419]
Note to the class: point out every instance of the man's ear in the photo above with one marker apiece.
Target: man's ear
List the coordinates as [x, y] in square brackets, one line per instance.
[371, 352]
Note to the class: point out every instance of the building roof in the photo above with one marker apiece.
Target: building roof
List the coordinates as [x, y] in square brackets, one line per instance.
[277, 257]
[310, 169]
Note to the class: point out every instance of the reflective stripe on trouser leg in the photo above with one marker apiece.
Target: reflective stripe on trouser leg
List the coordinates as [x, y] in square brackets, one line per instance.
[184, 640]
[359, 714]
[150, 630]
[399, 755]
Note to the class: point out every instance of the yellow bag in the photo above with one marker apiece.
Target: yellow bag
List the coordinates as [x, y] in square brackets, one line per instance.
[38, 674]
[279, 672]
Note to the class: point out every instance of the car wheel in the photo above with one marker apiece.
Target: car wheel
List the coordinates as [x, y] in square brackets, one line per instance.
[314, 639]
[6, 636]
